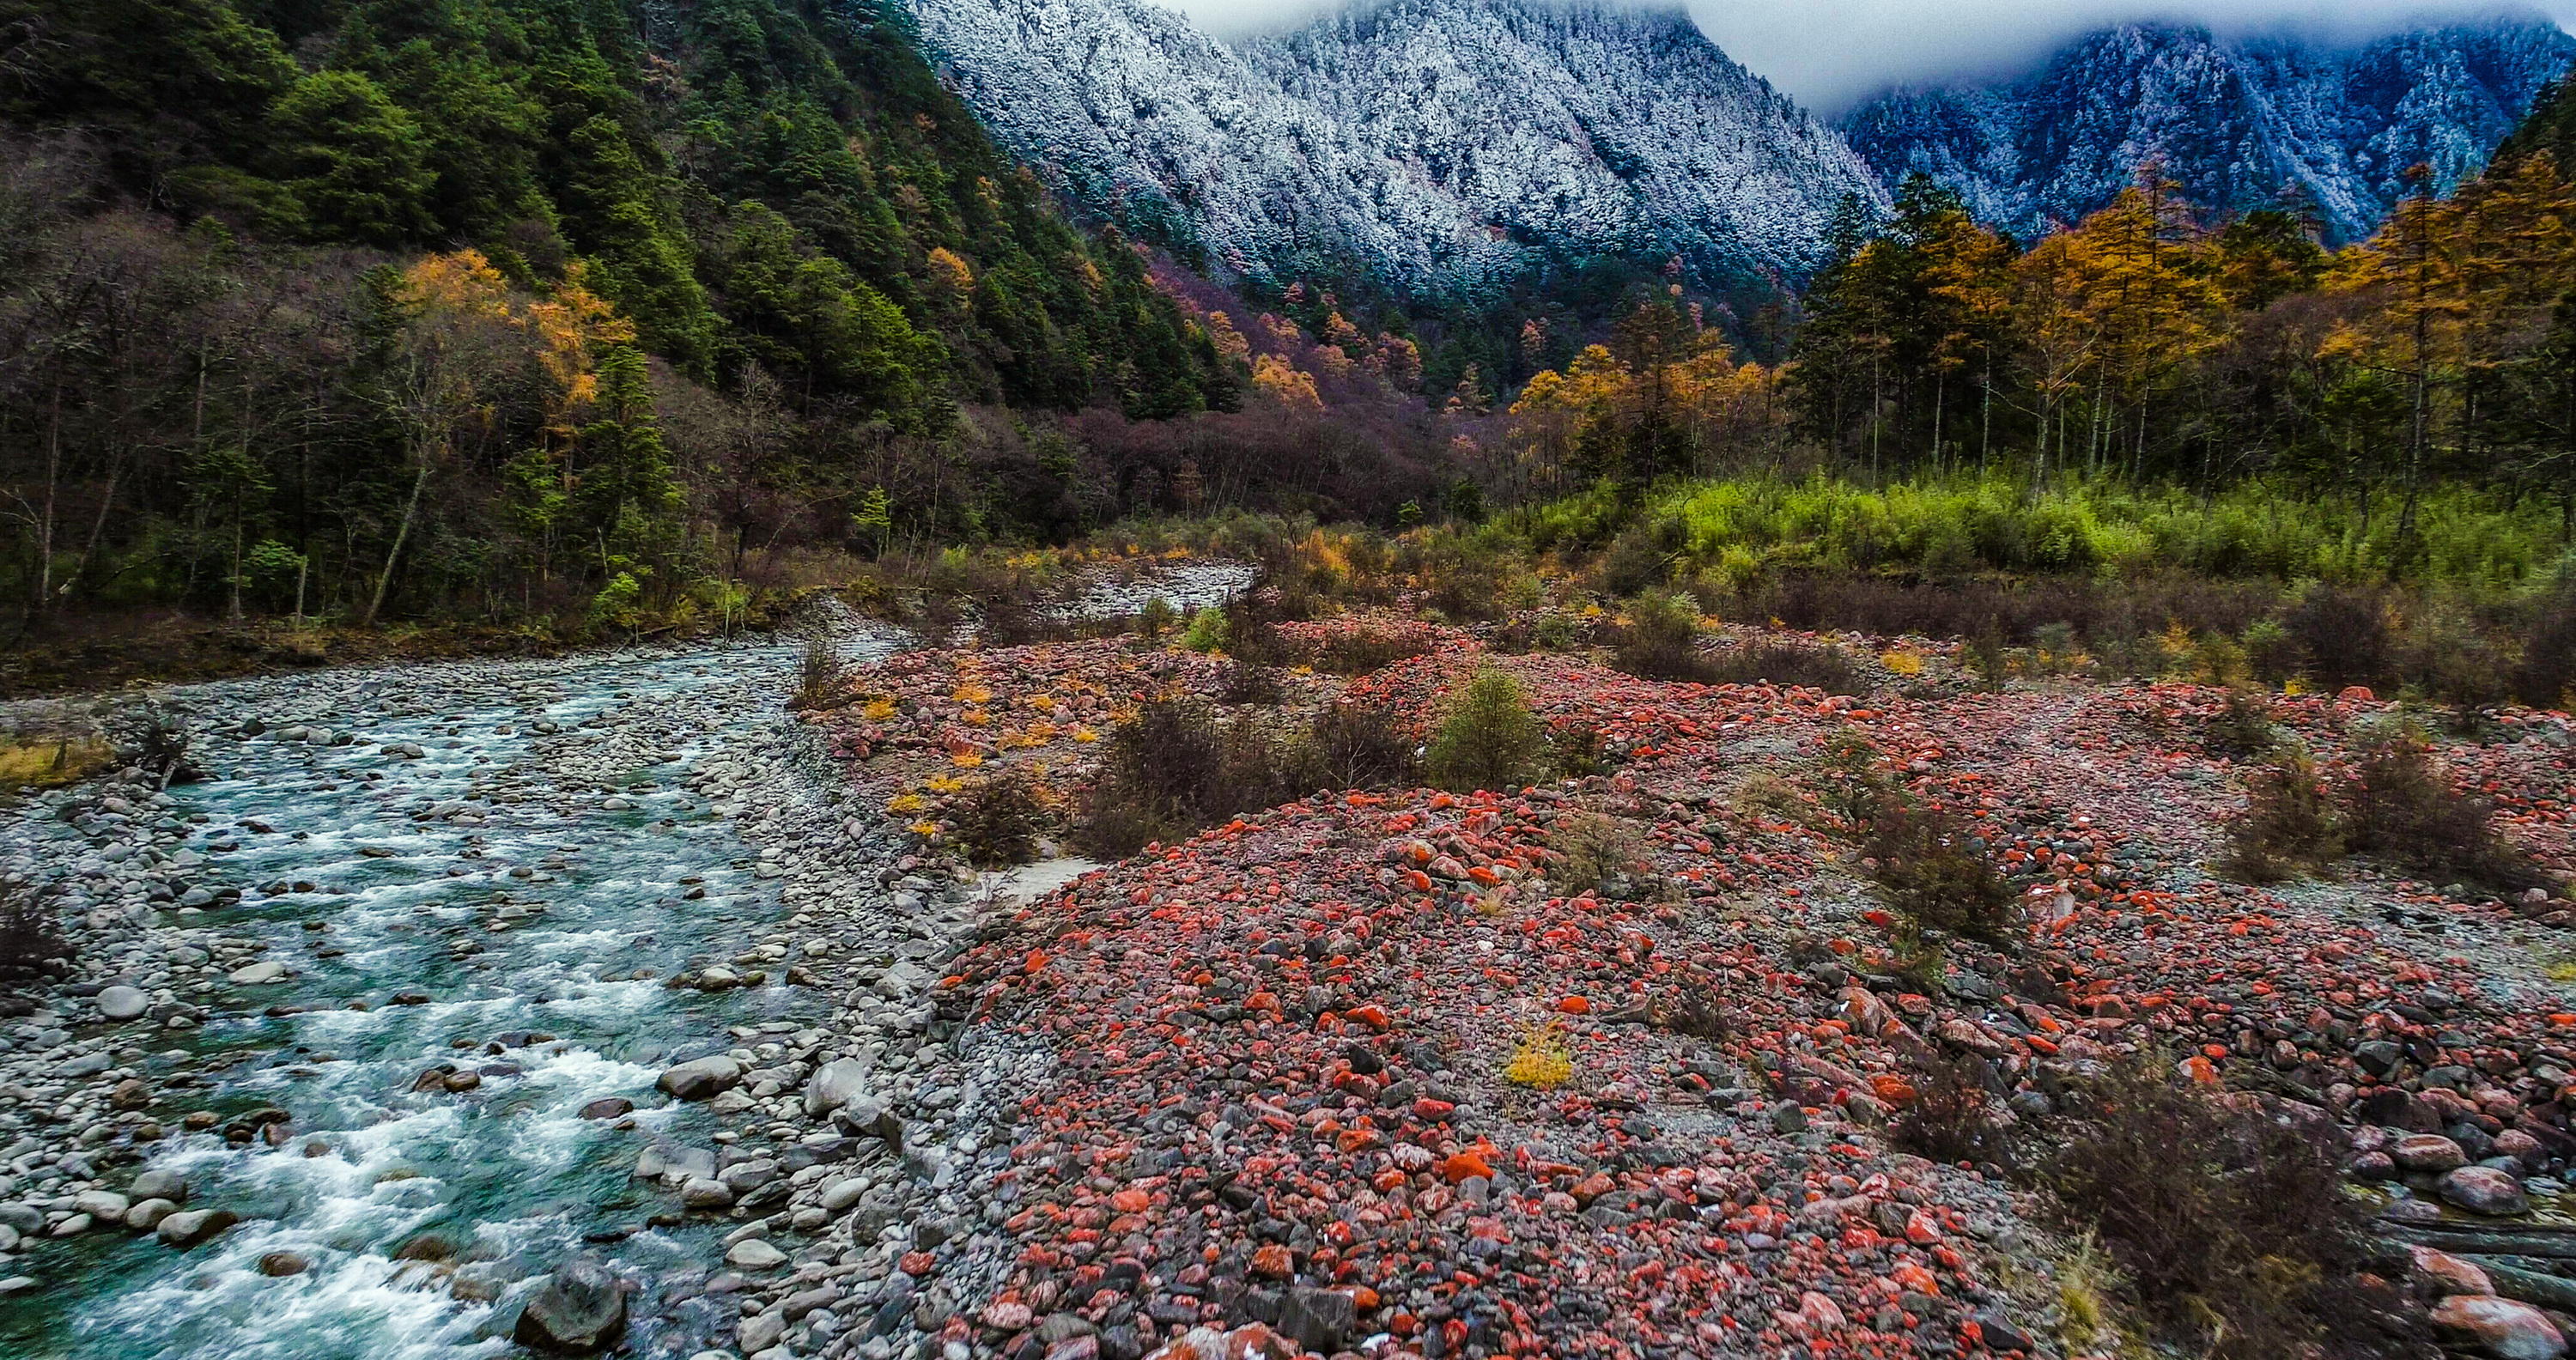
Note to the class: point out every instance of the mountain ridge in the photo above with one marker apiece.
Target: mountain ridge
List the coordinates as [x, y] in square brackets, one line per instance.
[1439, 144]
[2234, 120]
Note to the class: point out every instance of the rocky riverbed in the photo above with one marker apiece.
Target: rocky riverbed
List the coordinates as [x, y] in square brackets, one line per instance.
[565, 1003]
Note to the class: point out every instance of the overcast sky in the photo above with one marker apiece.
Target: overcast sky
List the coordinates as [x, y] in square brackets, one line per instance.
[1829, 53]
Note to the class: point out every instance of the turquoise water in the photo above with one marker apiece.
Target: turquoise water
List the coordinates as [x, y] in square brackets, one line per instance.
[508, 1173]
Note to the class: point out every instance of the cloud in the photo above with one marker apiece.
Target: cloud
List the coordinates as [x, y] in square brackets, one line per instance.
[1829, 54]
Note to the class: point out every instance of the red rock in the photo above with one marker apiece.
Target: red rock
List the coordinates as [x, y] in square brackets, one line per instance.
[1465, 1166]
[2449, 1273]
[2507, 1329]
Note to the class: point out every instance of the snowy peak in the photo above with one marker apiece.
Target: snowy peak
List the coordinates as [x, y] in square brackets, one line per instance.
[2237, 121]
[1442, 146]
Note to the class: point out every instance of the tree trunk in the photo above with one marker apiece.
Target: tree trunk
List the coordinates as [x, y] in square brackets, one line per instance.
[53, 480]
[402, 535]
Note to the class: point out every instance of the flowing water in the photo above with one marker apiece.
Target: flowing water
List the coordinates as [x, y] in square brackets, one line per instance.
[503, 893]
[511, 929]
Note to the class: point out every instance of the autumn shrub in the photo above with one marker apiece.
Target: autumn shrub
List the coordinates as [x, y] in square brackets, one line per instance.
[1693, 1005]
[819, 674]
[2230, 1231]
[1156, 617]
[2448, 654]
[1252, 630]
[2342, 635]
[2104, 614]
[2546, 675]
[1250, 682]
[1542, 1060]
[1592, 851]
[2241, 727]
[1660, 640]
[997, 818]
[2289, 826]
[1933, 878]
[32, 944]
[1016, 619]
[1463, 578]
[1161, 773]
[1576, 749]
[1952, 1116]
[1366, 649]
[1357, 746]
[1642, 557]
[1812, 666]
[1176, 767]
[2399, 803]
[1848, 779]
[1490, 740]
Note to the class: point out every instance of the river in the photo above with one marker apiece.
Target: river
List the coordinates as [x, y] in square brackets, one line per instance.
[500, 912]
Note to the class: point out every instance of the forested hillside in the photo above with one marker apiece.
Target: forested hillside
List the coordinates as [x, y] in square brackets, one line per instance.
[502, 306]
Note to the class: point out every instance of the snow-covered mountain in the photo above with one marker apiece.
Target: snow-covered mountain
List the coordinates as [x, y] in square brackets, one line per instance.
[1441, 145]
[2234, 120]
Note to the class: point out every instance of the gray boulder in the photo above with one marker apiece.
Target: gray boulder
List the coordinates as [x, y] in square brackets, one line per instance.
[1318, 1319]
[122, 1003]
[836, 1084]
[702, 1079]
[169, 1185]
[580, 1309]
[189, 1227]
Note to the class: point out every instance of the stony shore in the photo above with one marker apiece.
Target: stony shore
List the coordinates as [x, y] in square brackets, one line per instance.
[1254, 1094]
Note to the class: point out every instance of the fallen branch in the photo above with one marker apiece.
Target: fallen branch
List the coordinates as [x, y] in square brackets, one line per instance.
[2472, 1241]
[2548, 1291]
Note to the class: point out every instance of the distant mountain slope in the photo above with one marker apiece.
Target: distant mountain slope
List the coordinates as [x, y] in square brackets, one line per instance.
[779, 182]
[2235, 121]
[1439, 145]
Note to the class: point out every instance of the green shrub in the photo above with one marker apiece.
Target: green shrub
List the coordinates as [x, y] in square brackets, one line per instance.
[1576, 749]
[1207, 631]
[1593, 852]
[1490, 740]
[2271, 653]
